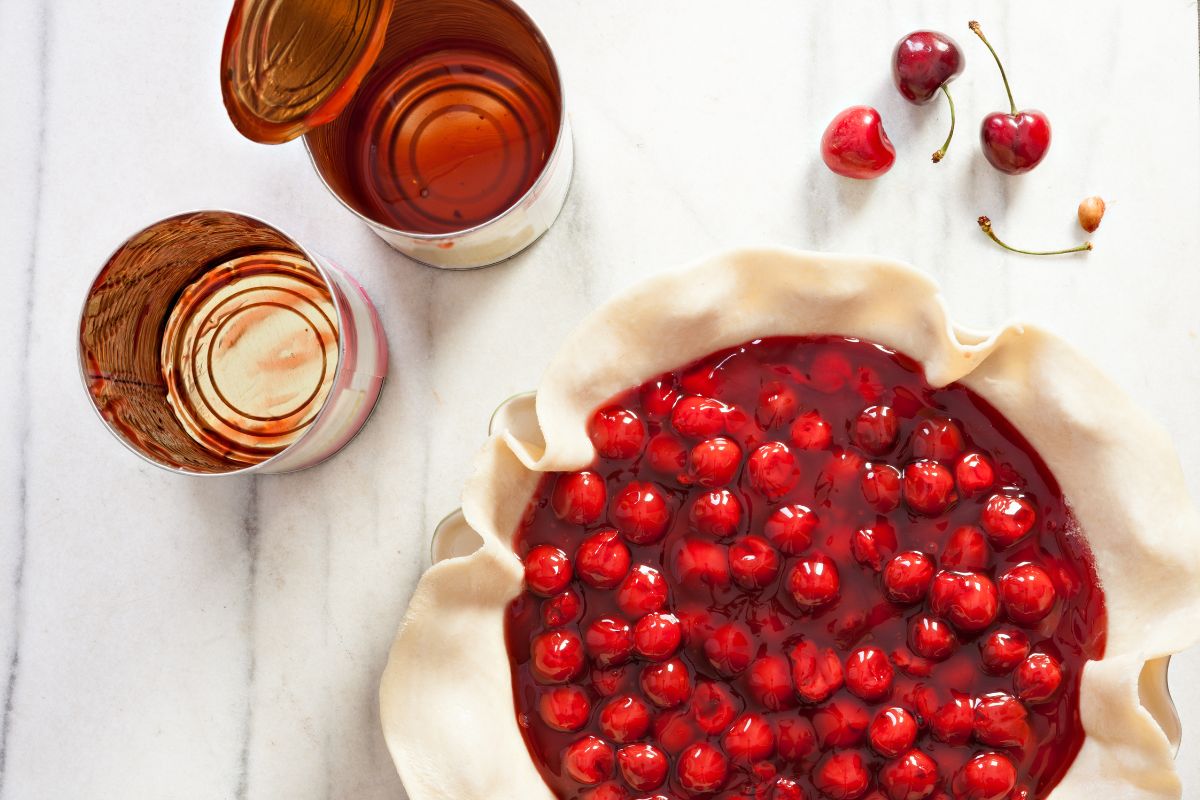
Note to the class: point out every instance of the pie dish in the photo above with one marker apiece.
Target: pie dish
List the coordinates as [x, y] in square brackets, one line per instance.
[775, 527]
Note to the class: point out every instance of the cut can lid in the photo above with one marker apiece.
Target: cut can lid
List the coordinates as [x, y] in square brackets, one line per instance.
[288, 66]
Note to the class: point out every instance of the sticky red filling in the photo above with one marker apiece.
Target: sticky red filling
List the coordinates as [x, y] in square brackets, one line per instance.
[797, 571]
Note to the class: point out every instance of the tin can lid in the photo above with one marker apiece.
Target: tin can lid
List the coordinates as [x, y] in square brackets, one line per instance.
[288, 66]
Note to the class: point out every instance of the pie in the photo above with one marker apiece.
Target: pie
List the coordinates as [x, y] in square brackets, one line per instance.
[777, 529]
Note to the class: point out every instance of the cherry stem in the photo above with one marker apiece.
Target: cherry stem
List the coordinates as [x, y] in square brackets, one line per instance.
[979, 32]
[940, 154]
[986, 225]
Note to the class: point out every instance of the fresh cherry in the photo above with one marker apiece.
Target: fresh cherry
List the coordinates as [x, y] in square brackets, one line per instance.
[602, 560]
[1016, 142]
[855, 145]
[565, 708]
[589, 760]
[923, 63]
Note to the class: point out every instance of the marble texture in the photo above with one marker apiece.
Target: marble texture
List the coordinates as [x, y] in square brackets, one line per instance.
[163, 637]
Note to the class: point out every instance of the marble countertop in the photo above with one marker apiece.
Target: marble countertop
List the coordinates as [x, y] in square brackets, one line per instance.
[162, 637]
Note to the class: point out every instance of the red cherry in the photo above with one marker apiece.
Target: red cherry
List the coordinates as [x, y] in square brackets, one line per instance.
[749, 739]
[874, 545]
[657, 636]
[880, 485]
[699, 417]
[842, 723]
[1028, 594]
[928, 487]
[770, 683]
[966, 550]
[969, 600]
[702, 769]
[1007, 520]
[797, 739]
[700, 563]
[589, 760]
[547, 570]
[1003, 650]
[712, 707]
[659, 397]
[777, 405]
[830, 371]
[606, 791]
[1001, 721]
[869, 674]
[954, 722]
[914, 776]
[814, 581]
[844, 466]
[974, 473]
[609, 641]
[557, 656]
[643, 590]
[1015, 143]
[787, 789]
[811, 432]
[816, 672]
[668, 684]
[875, 429]
[924, 62]
[842, 776]
[729, 649]
[565, 708]
[892, 732]
[640, 512]
[625, 719]
[753, 562]
[773, 470]
[562, 609]
[987, 776]
[714, 462]
[617, 433]
[643, 766]
[608, 682]
[855, 144]
[602, 560]
[673, 730]
[931, 638]
[717, 513]
[907, 578]
[912, 665]
[938, 439]
[1038, 678]
[667, 454]
[697, 625]
[790, 528]
[579, 497]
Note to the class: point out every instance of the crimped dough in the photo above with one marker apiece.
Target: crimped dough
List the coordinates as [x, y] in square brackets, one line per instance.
[446, 696]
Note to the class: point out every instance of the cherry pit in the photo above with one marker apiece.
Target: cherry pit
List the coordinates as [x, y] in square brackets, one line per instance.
[797, 571]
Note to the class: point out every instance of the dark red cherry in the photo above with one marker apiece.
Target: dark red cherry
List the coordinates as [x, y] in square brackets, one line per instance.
[892, 732]
[609, 641]
[937, 438]
[777, 405]
[667, 454]
[797, 738]
[873, 546]
[967, 550]
[557, 656]
[712, 707]
[907, 577]
[640, 512]
[930, 637]
[810, 431]
[869, 674]
[814, 581]
[643, 590]
[875, 429]
[714, 462]
[1003, 650]
[790, 528]
[1028, 594]
[659, 396]
[928, 487]
[974, 474]
[924, 62]
[855, 145]
[953, 722]
[1038, 678]
[1007, 520]
[700, 563]
[562, 609]
[602, 560]
[1015, 142]
[699, 417]
[841, 723]
[969, 600]
[880, 485]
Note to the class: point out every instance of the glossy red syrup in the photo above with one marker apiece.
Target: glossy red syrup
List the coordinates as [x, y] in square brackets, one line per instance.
[788, 684]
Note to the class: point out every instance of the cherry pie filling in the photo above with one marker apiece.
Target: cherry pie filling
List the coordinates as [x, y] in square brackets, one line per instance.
[797, 571]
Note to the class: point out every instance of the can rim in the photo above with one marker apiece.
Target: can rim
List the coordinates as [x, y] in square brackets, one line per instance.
[262, 466]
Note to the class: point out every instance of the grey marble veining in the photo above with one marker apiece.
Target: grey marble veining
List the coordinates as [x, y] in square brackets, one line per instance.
[172, 638]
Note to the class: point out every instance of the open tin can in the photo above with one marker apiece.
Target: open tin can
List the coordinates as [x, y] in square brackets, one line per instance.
[212, 343]
[440, 123]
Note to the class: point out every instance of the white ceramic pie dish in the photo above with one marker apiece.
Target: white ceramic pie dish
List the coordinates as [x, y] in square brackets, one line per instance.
[447, 689]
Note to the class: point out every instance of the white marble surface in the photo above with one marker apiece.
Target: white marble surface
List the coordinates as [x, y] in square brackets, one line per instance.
[171, 638]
